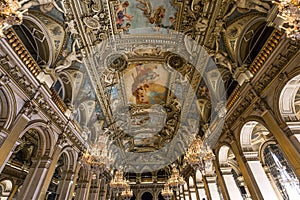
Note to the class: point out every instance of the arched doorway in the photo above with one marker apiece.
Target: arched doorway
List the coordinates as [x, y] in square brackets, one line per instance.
[267, 162]
[231, 174]
[147, 196]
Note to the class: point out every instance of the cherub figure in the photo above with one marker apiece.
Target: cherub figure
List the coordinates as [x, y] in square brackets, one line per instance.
[71, 28]
[67, 62]
[154, 16]
[247, 5]
[121, 14]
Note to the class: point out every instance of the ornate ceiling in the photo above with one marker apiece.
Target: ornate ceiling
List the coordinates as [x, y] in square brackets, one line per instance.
[143, 77]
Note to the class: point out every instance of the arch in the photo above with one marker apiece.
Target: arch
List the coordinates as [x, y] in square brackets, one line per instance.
[289, 100]
[252, 37]
[278, 90]
[72, 157]
[263, 147]
[6, 187]
[254, 138]
[198, 176]
[46, 135]
[7, 107]
[65, 91]
[147, 196]
[36, 39]
[230, 172]
[248, 135]
[223, 154]
[280, 171]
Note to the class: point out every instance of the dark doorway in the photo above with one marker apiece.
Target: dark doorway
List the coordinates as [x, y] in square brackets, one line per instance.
[147, 196]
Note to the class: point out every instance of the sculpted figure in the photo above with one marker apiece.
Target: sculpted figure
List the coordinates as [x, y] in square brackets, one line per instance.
[247, 5]
[67, 62]
[221, 59]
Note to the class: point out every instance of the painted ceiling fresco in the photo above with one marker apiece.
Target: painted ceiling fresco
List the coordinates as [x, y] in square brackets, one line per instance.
[133, 16]
[140, 84]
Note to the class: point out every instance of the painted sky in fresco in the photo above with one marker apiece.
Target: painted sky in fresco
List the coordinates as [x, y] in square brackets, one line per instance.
[141, 20]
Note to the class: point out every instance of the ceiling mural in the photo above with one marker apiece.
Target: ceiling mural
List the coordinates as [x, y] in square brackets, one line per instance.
[146, 83]
[132, 16]
[147, 75]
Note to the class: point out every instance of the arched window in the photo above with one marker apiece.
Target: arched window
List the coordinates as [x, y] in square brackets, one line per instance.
[283, 175]
[35, 40]
[253, 40]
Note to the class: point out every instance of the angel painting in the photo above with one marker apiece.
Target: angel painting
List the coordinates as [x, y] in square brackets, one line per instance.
[121, 14]
[146, 87]
[154, 16]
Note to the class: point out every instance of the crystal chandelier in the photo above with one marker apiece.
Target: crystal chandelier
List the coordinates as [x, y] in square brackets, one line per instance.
[175, 181]
[167, 193]
[10, 14]
[289, 11]
[127, 193]
[118, 183]
[200, 156]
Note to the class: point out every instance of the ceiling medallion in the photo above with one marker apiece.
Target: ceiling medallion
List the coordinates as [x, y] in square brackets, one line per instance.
[116, 62]
[175, 61]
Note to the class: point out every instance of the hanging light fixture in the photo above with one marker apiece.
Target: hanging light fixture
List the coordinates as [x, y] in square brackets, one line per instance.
[10, 14]
[289, 12]
[200, 156]
[167, 193]
[176, 180]
[127, 193]
[118, 183]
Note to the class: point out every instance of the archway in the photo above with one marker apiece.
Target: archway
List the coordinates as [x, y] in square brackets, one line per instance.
[147, 196]
[289, 106]
[257, 144]
[231, 174]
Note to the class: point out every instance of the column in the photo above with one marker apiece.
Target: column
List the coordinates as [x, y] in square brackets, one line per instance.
[233, 190]
[95, 188]
[10, 141]
[243, 187]
[104, 190]
[84, 188]
[75, 177]
[291, 153]
[182, 197]
[65, 186]
[246, 171]
[195, 187]
[201, 190]
[35, 179]
[259, 174]
[192, 188]
[293, 128]
[224, 190]
[50, 172]
[186, 192]
[212, 193]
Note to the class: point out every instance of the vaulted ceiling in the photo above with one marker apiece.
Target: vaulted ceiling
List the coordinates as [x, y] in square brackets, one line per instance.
[144, 77]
